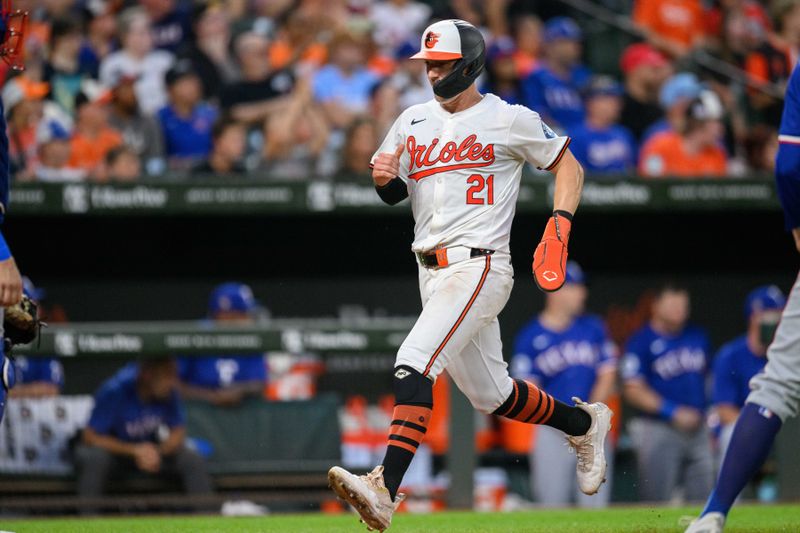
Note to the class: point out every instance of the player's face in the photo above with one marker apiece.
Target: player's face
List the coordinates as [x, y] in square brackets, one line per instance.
[437, 70]
[672, 308]
[163, 381]
[565, 51]
[763, 325]
[569, 299]
[233, 317]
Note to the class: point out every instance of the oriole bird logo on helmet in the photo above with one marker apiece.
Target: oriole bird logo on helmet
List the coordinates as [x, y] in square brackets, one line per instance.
[431, 39]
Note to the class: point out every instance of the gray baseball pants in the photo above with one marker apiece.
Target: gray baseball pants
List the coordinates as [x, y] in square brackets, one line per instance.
[778, 387]
[668, 458]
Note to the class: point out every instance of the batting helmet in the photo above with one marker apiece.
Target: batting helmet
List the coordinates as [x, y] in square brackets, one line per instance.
[454, 39]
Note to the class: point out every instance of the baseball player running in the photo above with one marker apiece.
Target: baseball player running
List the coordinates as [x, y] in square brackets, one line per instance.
[775, 392]
[11, 25]
[459, 158]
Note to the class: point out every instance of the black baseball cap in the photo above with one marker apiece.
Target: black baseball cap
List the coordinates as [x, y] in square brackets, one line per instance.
[181, 69]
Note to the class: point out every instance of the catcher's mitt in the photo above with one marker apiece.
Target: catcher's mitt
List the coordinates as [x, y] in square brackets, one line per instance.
[21, 322]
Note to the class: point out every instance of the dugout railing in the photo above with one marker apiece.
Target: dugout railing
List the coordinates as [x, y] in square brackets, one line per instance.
[246, 440]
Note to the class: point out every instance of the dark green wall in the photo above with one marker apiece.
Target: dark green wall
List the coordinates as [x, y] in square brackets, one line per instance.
[163, 268]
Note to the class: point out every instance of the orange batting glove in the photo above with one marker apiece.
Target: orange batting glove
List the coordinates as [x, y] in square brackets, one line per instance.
[550, 257]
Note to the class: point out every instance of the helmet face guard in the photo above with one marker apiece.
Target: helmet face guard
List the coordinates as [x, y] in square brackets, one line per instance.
[13, 24]
[464, 73]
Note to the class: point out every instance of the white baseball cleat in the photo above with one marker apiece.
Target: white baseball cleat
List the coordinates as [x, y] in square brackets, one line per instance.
[590, 448]
[367, 494]
[708, 523]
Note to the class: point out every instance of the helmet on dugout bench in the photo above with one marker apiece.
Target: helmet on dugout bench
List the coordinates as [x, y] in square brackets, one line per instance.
[454, 39]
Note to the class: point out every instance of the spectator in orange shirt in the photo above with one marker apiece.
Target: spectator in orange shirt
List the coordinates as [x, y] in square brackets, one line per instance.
[672, 26]
[696, 151]
[93, 136]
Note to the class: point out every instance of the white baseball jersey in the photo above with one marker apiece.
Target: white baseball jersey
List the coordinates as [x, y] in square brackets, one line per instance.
[463, 169]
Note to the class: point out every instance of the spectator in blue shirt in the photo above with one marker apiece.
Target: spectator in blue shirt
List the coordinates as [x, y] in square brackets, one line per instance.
[745, 356]
[664, 375]
[137, 424]
[554, 88]
[186, 122]
[226, 380]
[568, 353]
[36, 377]
[344, 85]
[600, 144]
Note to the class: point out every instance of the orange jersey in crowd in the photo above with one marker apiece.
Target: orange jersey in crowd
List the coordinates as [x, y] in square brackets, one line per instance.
[88, 153]
[665, 155]
[681, 21]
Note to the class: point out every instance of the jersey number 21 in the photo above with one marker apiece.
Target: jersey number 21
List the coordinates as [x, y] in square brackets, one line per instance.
[478, 183]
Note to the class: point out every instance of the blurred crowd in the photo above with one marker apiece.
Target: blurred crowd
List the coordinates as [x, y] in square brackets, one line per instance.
[302, 89]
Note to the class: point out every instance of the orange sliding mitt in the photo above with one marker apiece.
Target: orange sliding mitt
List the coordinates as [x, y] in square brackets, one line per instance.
[550, 257]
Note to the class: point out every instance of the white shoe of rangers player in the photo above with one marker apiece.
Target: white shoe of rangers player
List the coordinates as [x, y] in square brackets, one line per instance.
[590, 448]
[367, 494]
[708, 523]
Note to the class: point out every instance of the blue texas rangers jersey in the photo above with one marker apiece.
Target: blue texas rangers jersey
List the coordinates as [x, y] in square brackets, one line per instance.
[119, 412]
[607, 151]
[565, 363]
[734, 365]
[557, 100]
[38, 369]
[221, 372]
[787, 164]
[674, 366]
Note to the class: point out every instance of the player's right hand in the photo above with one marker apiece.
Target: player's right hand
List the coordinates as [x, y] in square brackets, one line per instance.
[10, 283]
[387, 166]
[550, 257]
[687, 419]
[147, 457]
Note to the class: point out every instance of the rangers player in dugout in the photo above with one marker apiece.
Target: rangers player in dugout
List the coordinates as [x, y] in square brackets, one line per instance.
[459, 158]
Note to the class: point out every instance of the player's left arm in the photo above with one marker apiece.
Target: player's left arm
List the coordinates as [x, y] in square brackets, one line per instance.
[550, 257]
[569, 183]
[605, 385]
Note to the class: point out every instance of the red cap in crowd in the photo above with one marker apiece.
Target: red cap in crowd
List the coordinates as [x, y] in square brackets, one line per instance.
[641, 54]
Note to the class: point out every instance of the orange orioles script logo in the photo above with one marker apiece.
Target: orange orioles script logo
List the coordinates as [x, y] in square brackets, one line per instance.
[431, 39]
[467, 154]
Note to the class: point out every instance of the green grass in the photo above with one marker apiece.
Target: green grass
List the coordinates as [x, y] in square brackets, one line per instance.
[622, 519]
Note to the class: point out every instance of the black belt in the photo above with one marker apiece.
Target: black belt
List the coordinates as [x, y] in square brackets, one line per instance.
[438, 259]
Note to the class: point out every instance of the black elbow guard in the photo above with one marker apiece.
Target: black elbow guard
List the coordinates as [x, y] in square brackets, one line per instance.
[393, 192]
